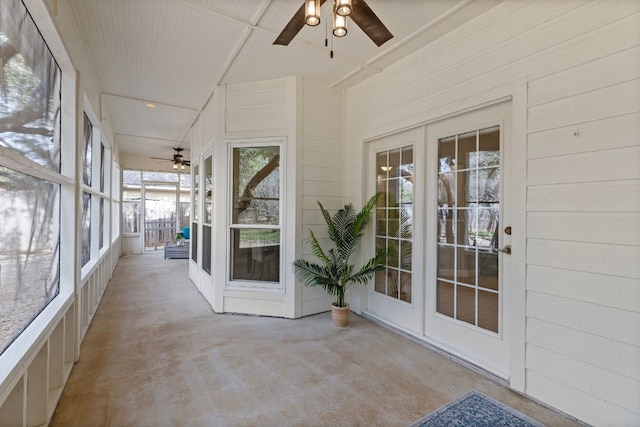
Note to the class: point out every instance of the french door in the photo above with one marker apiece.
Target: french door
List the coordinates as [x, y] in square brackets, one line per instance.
[445, 222]
[468, 252]
[394, 169]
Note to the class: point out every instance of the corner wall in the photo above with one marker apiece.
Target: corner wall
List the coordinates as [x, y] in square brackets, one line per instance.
[581, 62]
[309, 116]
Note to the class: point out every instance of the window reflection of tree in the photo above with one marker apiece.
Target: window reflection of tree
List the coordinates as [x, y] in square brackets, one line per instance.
[29, 127]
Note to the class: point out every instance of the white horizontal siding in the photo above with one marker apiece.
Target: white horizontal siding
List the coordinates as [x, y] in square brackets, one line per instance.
[258, 107]
[579, 345]
[605, 134]
[599, 320]
[610, 101]
[622, 390]
[606, 196]
[322, 172]
[575, 401]
[507, 50]
[608, 259]
[581, 62]
[607, 165]
[607, 71]
[622, 293]
[620, 228]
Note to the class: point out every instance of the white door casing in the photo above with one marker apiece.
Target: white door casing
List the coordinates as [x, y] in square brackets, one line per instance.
[451, 327]
[496, 352]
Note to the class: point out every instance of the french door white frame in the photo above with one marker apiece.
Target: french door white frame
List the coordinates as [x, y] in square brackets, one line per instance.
[514, 313]
[487, 349]
[409, 316]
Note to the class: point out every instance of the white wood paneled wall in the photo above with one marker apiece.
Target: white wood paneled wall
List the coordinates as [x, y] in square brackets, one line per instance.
[322, 171]
[581, 61]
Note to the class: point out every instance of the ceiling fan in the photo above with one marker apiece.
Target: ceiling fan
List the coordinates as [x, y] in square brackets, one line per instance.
[358, 10]
[178, 160]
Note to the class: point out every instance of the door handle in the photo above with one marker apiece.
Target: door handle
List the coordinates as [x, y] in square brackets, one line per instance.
[505, 250]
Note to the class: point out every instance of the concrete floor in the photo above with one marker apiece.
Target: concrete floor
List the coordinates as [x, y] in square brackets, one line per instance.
[157, 355]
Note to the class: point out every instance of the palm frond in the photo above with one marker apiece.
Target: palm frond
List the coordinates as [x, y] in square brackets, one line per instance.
[363, 217]
[311, 274]
[316, 249]
[343, 221]
[330, 227]
[367, 271]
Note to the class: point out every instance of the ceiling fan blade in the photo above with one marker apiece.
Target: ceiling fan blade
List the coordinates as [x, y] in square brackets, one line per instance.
[186, 163]
[372, 26]
[293, 27]
[160, 158]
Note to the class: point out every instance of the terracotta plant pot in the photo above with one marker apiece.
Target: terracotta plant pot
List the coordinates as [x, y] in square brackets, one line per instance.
[340, 315]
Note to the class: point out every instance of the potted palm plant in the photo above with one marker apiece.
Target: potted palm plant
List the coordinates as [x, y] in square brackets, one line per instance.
[334, 272]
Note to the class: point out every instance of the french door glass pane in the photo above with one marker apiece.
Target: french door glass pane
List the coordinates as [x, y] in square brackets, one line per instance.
[394, 221]
[468, 223]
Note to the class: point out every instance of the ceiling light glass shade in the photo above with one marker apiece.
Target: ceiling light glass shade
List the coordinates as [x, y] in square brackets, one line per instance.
[312, 12]
[175, 166]
[339, 25]
[182, 166]
[343, 7]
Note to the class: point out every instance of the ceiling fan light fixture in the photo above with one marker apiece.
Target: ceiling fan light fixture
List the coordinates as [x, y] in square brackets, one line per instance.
[339, 25]
[175, 166]
[182, 166]
[312, 12]
[343, 7]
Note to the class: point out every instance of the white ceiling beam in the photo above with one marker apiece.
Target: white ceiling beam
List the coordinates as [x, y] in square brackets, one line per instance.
[148, 101]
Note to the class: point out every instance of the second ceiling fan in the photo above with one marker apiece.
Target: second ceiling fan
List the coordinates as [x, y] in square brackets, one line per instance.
[178, 159]
[358, 10]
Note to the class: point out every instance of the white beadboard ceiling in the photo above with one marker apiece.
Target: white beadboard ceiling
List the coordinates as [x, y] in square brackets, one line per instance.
[173, 54]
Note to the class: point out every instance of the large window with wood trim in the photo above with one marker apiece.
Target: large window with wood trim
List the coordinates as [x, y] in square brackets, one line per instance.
[256, 213]
[30, 179]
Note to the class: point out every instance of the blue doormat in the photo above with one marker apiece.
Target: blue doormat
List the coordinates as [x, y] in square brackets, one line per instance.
[475, 409]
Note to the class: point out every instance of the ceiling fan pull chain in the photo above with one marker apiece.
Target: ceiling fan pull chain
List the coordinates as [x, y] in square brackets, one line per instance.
[331, 53]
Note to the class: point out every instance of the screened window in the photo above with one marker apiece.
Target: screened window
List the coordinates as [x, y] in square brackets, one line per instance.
[194, 224]
[131, 201]
[255, 227]
[86, 228]
[29, 89]
[102, 154]
[207, 214]
[115, 210]
[87, 136]
[29, 206]
[101, 224]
